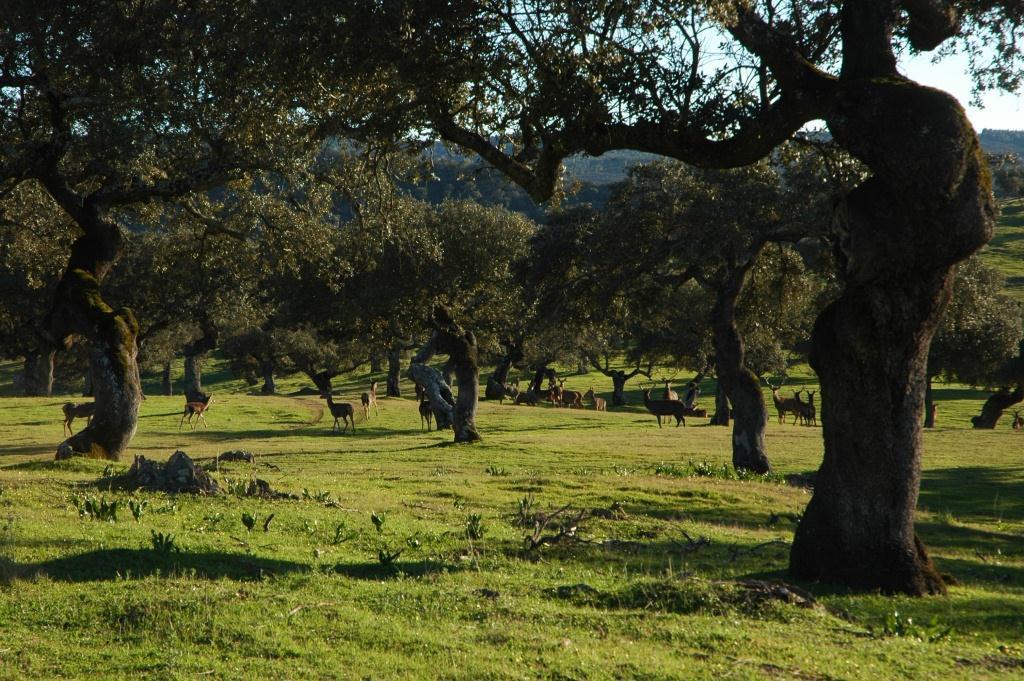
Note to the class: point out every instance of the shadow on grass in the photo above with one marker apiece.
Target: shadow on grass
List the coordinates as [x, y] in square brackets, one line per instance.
[111, 564]
[378, 571]
[975, 492]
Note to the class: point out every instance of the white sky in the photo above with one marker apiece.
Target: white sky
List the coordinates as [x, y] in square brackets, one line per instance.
[1000, 111]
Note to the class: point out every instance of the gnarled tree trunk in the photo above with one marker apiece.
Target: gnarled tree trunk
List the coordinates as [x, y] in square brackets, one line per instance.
[619, 379]
[39, 373]
[267, 369]
[994, 406]
[495, 389]
[79, 308]
[721, 417]
[900, 234]
[394, 382]
[194, 352]
[166, 384]
[460, 346]
[750, 416]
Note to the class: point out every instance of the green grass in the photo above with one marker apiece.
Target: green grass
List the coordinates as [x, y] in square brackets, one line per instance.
[1006, 249]
[642, 596]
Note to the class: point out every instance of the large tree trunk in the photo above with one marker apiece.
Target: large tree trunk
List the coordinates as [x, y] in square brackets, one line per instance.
[619, 379]
[927, 206]
[438, 392]
[375, 363]
[39, 373]
[721, 417]
[994, 406]
[394, 382]
[267, 369]
[166, 384]
[750, 416]
[79, 308]
[929, 403]
[460, 346]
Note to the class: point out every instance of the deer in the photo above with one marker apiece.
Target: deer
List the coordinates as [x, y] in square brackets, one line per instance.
[341, 410]
[669, 393]
[73, 410]
[421, 392]
[810, 412]
[554, 395]
[1018, 421]
[370, 398]
[197, 409]
[509, 391]
[527, 397]
[792, 405]
[570, 398]
[659, 408]
[426, 414]
[600, 404]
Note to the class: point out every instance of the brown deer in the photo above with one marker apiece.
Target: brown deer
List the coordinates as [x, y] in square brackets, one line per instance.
[527, 397]
[370, 398]
[197, 409]
[421, 392]
[1018, 421]
[810, 412]
[600, 404]
[341, 410]
[73, 410]
[554, 395]
[659, 408]
[569, 398]
[669, 393]
[786, 405]
[426, 414]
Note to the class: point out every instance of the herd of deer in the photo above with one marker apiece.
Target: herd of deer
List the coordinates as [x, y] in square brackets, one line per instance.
[804, 412]
[669, 406]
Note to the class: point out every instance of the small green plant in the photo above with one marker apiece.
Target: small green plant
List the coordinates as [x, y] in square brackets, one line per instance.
[342, 534]
[459, 504]
[387, 557]
[496, 471]
[249, 520]
[137, 507]
[97, 509]
[237, 487]
[322, 497]
[526, 511]
[475, 528]
[163, 543]
[901, 626]
[311, 528]
[707, 469]
[378, 520]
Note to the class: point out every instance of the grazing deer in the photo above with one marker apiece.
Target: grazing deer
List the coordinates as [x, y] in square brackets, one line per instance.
[669, 393]
[786, 405]
[1018, 421]
[197, 409]
[569, 398]
[370, 398]
[426, 414]
[600, 404]
[73, 410]
[527, 397]
[659, 408]
[341, 410]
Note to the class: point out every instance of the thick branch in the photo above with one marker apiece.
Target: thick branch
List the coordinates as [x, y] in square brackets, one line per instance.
[931, 22]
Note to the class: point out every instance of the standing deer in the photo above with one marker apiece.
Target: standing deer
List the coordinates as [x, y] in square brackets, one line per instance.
[786, 405]
[426, 414]
[810, 412]
[370, 398]
[341, 410]
[600, 404]
[659, 408]
[554, 395]
[669, 393]
[73, 410]
[197, 409]
[570, 398]
[1018, 421]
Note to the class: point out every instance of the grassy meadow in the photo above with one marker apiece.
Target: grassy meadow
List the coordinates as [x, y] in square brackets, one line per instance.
[399, 555]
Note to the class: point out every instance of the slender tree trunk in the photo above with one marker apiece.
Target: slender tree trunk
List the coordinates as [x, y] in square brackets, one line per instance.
[721, 416]
[750, 416]
[166, 384]
[994, 406]
[926, 206]
[79, 309]
[39, 373]
[394, 382]
[193, 379]
[267, 369]
[929, 403]
[194, 353]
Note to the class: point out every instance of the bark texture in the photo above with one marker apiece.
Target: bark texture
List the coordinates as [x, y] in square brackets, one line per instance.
[166, 384]
[394, 381]
[927, 205]
[741, 386]
[194, 352]
[267, 369]
[994, 406]
[721, 417]
[929, 404]
[495, 389]
[79, 308]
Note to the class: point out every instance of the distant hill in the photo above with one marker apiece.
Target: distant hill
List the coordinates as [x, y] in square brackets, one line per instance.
[1002, 141]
